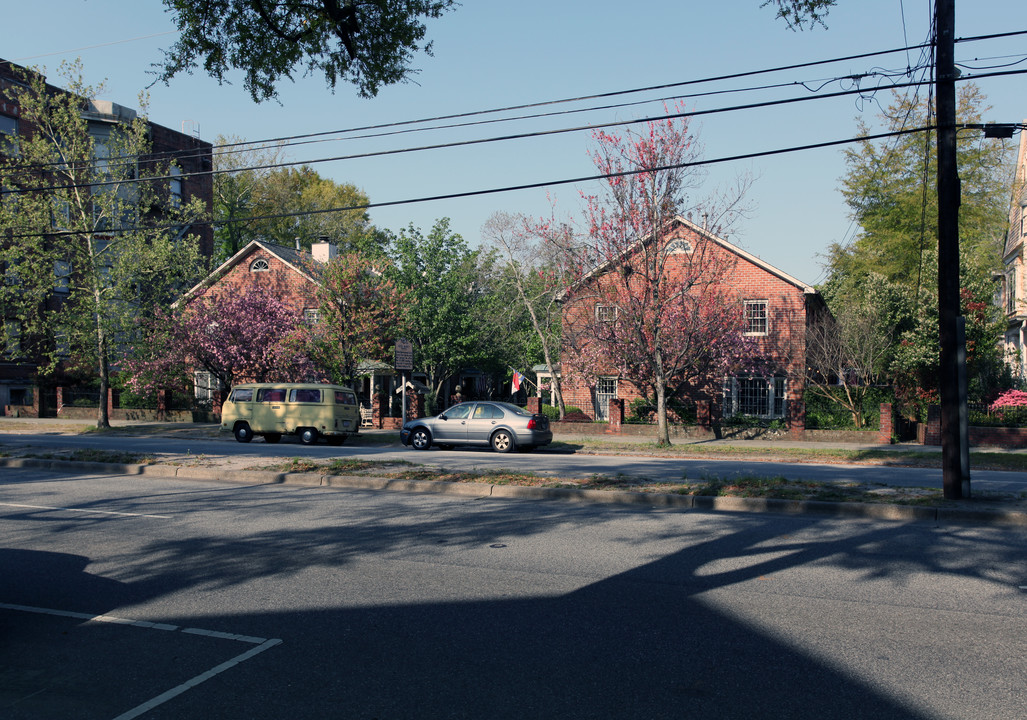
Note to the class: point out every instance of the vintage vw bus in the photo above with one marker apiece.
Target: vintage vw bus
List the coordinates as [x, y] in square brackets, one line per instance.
[309, 410]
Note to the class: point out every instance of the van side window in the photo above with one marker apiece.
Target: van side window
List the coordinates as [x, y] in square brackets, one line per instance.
[271, 395]
[242, 395]
[345, 398]
[307, 395]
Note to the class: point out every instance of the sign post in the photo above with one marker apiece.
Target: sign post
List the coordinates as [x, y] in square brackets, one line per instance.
[404, 362]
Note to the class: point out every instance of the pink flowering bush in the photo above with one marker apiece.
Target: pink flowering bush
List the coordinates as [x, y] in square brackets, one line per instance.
[1010, 408]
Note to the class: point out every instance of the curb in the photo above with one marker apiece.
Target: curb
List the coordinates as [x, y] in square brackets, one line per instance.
[853, 510]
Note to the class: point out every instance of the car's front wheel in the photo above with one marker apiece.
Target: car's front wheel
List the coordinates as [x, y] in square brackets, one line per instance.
[243, 433]
[420, 439]
[502, 441]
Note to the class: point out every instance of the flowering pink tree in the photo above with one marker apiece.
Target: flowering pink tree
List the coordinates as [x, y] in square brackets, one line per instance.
[649, 297]
[250, 336]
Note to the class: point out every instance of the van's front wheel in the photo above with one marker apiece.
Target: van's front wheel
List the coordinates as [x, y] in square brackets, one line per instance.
[308, 436]
[243, 433]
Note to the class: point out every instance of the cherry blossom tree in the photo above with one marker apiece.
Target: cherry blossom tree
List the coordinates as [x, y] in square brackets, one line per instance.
[650, 298]
[234, 336]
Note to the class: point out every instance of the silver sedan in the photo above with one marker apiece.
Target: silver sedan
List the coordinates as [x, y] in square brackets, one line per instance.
[501, 425]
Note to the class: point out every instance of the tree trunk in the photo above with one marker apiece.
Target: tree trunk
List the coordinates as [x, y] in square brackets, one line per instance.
[103, 419]
[662, 429]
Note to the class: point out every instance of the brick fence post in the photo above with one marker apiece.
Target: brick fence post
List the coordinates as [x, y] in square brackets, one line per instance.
[933, 434]
[795, 411]
[379, 409]
[702, 413]
[616, 415]
[534, 405]
[162, 405]
[886, 429]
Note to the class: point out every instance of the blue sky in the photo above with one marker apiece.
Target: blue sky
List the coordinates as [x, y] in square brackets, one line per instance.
[498, 54]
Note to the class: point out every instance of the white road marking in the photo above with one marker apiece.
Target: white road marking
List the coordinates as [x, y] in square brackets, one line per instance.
[261, 644]
[84, 510]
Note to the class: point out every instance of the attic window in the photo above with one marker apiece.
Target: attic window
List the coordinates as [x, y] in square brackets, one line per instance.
[678, 246]
[259, 265]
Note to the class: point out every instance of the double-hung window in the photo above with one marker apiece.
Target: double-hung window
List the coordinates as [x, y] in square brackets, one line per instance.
[756, 318]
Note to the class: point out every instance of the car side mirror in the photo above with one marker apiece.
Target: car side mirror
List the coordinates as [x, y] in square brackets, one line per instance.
[442, 416]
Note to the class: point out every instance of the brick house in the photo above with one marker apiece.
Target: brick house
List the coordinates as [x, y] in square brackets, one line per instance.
[192, 179]
[1013, 295]
[291, 273]
[288, 272]
[776, 307]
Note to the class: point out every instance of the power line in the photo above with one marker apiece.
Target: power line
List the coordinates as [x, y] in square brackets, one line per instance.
[511, 188]
[502, 138]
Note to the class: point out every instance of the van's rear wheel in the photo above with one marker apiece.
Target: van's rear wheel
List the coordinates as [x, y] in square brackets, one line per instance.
[243, 433]
[308, 436]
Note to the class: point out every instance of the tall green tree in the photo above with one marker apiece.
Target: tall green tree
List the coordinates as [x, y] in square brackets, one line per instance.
[890, 188]
[359, 316]
[369, 43]
[533, 271]
[239, 171]
[93, 237]
[292, 202]
[441, 277]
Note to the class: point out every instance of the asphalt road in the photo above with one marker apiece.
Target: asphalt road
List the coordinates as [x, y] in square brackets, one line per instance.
[542, 461]
[124, 596]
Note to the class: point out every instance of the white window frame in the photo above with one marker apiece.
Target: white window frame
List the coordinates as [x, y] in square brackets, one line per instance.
[773, 400]
[607, 313]
[205, 384]
[260, 265]
[757, 314]
[678, 246]
[311, 316]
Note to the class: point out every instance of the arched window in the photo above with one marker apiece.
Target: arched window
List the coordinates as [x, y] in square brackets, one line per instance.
[678, 246]
[259, 265]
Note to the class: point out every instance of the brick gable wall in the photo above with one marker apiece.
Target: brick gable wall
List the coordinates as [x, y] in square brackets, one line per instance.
[784, 342]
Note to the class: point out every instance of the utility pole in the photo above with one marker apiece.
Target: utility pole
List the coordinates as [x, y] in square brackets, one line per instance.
[954, 441]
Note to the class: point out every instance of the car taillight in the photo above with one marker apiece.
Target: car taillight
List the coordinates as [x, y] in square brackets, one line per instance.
[531, 424]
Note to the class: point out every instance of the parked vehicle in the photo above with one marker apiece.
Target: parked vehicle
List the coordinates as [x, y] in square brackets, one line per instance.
[309, 410]
[500, 425]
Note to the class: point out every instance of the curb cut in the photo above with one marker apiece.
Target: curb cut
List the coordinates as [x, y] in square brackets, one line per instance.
[852, 510]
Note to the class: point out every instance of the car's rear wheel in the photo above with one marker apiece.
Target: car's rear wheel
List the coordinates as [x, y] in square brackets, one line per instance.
[308, 436]
[502, 441]
[243, 433]
[272, 437]
[420, 439]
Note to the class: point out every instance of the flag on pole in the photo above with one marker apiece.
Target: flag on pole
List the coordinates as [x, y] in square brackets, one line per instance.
[517, 380]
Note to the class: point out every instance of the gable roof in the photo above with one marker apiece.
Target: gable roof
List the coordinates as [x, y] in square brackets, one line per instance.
[297, 260]
[679, 221]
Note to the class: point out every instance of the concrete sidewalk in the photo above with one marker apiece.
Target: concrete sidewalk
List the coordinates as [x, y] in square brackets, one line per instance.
[212, 430]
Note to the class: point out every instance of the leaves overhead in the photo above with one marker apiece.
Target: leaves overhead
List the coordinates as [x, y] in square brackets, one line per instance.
[369, 43]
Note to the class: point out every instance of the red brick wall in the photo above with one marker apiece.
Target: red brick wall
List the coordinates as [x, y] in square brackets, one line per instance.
[784, 343]
[290, 286]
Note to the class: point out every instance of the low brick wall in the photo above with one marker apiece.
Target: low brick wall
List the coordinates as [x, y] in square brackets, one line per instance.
[695, 432]
[137, 414]
[998, 436]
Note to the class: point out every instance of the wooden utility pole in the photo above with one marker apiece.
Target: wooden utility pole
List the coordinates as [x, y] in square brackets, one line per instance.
[954, 445]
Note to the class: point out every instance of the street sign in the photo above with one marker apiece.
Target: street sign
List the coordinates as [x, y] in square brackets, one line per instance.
[404, 355]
